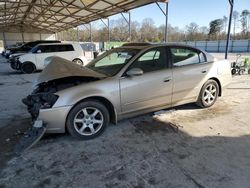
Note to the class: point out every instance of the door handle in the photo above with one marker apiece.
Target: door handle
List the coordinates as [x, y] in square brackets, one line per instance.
[204, 71]
[166, 79]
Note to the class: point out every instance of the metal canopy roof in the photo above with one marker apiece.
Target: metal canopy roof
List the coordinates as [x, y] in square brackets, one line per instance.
[58, 15]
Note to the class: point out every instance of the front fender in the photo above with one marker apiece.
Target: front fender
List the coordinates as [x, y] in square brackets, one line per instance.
[105, 89]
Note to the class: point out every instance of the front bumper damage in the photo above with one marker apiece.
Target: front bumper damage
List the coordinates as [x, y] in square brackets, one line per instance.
[38, 101]
[58, 75]
[15, 64]
[34, 103]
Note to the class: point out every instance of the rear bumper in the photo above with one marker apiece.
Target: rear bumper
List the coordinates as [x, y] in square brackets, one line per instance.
[226, 80]
[54, 118]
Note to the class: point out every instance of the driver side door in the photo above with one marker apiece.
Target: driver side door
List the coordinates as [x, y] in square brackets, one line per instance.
[151, 89]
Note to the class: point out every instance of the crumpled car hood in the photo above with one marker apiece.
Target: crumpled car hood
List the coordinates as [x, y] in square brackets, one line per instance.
[61, 68]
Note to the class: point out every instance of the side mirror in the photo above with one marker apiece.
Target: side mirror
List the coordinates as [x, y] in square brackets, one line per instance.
[135, 72]
[39, 51]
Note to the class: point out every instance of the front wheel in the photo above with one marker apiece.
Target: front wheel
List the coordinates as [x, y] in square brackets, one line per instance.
[87, 120]
[208, 94]
[28, 68]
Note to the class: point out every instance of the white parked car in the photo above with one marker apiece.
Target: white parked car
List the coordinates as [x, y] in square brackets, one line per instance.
[35, 59]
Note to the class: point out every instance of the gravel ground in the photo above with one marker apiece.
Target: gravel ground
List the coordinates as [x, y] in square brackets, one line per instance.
[180, 147]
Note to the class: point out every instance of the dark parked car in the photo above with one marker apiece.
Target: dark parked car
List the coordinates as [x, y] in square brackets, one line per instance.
[26, 47]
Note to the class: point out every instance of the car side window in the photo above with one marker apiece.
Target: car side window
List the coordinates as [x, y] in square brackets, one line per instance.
[184, 56]
[55, 48]
[152, 60]
[63, 48]
[69, 47]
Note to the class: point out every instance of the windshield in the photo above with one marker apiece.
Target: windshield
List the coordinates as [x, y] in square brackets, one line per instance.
[111, 62]
[28, 45]
[34, 49]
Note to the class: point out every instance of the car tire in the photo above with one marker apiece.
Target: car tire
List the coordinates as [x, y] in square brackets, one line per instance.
[233, 71]
[87, 120]
[78, 62]
[28, 67]
[208, 94]
[241, 72]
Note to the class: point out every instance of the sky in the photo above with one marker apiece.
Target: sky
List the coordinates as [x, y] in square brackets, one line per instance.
[183, 12]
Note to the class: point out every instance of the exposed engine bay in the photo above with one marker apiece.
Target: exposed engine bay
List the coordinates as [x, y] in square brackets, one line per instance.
[44, 97]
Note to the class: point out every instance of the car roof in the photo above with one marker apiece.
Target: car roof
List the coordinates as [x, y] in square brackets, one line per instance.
[142, 46]
[146, 45]
[50, 44]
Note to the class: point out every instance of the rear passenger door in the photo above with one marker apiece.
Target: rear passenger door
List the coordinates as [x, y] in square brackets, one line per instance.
[189, 72]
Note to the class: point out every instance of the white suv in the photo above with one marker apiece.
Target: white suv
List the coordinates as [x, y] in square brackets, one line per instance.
[35, 59]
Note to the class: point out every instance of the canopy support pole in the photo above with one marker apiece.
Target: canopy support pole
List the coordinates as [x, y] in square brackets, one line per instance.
[128, 22]
[129, 25]
[4, 40]
[77, 30]
[90, 32]
[108, 27]
[22, 37]
[231, 2]
[165, 13]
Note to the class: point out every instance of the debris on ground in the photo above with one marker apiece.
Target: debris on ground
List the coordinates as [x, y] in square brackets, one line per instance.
[31, 137]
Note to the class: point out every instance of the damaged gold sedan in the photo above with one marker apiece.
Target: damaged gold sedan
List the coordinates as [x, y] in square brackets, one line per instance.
[123, 82]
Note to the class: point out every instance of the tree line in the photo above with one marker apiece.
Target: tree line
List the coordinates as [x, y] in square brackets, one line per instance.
[147, 31]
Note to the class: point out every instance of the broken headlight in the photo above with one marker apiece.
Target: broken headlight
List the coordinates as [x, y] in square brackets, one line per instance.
[48, 100]
[38, 101]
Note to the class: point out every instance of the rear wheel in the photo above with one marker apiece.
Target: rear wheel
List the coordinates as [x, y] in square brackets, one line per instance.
[233, 71]
[208, 94]
[87, 120]
[28, 68]
[78, 62]
[241, 71]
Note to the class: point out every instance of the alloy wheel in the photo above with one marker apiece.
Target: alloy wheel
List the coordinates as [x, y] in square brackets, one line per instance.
[88, 121]
[210, 94]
